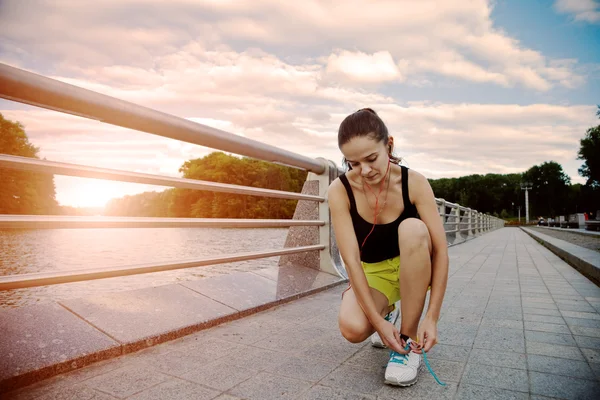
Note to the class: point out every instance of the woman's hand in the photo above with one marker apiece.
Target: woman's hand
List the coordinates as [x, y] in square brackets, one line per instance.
[390, 336]
[427, 335]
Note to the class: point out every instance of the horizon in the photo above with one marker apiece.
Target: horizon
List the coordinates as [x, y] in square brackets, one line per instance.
[493, 87]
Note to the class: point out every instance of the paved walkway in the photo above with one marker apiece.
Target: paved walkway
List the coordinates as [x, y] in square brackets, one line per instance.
[517, 323]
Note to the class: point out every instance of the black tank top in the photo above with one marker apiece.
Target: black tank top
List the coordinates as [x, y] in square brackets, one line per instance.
[382, 244]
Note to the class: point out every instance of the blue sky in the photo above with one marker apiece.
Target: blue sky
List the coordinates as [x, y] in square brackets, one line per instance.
[464, 87]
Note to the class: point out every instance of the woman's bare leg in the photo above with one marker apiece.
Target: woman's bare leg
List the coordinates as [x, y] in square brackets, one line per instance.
[354, 324]
[415, 272]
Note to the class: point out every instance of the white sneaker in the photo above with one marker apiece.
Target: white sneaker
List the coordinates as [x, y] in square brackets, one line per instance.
[402, 369]
[391, 317]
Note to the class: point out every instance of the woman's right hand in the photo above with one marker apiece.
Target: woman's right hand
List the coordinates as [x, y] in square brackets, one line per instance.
[390, 336]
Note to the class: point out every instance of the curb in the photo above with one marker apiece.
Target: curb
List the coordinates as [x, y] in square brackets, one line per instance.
[582, 261]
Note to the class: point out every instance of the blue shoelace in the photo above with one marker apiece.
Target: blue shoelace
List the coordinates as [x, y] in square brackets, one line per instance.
[398, 358]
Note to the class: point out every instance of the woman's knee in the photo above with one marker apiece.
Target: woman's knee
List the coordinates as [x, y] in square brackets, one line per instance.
[413, 235]
[354, 331]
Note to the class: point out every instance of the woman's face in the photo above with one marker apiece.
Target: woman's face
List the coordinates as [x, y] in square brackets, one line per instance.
[367, 157]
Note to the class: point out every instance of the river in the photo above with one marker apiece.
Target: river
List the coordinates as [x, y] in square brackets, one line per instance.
[45, 250]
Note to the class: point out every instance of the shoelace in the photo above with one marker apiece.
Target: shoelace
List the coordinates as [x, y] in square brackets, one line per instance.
[398, 358]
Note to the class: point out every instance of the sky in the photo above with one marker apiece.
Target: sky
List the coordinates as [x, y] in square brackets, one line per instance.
[464, 87]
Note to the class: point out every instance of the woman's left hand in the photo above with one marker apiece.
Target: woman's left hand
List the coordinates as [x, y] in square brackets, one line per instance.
[427, 335]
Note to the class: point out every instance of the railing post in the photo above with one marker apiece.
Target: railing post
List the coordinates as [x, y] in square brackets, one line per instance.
[469, 214]
[459, 233]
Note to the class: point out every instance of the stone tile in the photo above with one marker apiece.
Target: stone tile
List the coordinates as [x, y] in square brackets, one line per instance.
[542, 311]
[498, 358]
[76, 392]
[266, 387]
[585, 331]
[369, 357]
[498, 377]
[589, 342]
[543, 327]
[457, 334]
[176, 389]
[512, 313]
[592, 355]
[544, 318]
[320, 392]
[126, 381]
[249, 330]
[548, 349]
[356, 379]
[544, 300]
[582, 307]
[500, 339]
[227, 397]
[583, 315]
[474, 392]
[335, 349]
[301, 368]
[590, 323]
[449, 352]
[39, 337]
[294, 339]
[446, 371]
[134, 315]
[563, 387]
[426, 388]
[241, 290]
[219, 375]
[559, 366]
[502, 323]
[546, 337]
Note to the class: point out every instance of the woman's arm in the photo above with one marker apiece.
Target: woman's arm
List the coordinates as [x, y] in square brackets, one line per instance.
[423, 198]
[341, 220]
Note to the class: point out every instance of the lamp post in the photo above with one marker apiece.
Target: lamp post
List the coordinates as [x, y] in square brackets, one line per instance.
[526, 186]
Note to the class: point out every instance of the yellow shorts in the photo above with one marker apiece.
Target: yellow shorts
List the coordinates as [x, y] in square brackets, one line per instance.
[384, 276]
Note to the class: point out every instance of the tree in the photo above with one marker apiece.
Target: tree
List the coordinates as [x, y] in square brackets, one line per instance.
[23, 192]
[550, 189]
[590, 153]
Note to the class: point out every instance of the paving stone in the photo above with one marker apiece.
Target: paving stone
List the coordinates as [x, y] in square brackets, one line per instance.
[592, 355]
[542, 311]
[301, 368]
[498, 358]
[266, 387]
[498, 377]
[544, 318]
[176, 389]
[585, 331]
[589, 342]
[320, 392]
[219, 375]
[563, 387]
[559, 366]
[370, 357]
[356, 379]
[546, 337]
[513, 313]
[474, 392]
[505, 339]
[502, 323]
[583, 315]
[577, 307]
[457, 334]
[543, 327]
[426, 388]
[548, 349]
[126, 381]
[596, 368]
[449, 352]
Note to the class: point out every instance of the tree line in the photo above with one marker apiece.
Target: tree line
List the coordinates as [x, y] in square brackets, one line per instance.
[551, 191]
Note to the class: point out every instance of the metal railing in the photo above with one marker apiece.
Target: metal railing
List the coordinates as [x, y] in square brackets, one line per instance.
[29, 88]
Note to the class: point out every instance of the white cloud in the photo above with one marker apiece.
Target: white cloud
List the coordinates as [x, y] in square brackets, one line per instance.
[581, 10]
[424, 38]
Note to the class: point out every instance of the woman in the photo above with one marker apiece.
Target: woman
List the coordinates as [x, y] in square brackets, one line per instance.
[393, 244]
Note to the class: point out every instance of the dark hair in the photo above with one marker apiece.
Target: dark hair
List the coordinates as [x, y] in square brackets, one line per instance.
[365, 122]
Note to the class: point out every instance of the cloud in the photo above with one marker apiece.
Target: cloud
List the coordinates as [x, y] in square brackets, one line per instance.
[581, 10]
[402, 41]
